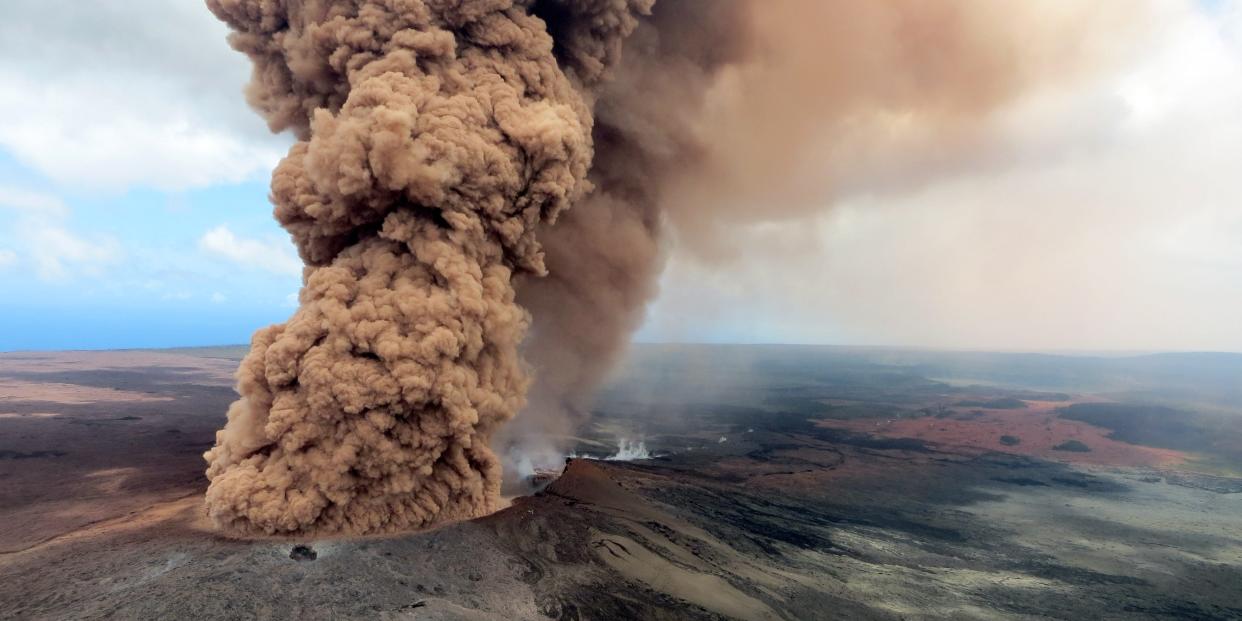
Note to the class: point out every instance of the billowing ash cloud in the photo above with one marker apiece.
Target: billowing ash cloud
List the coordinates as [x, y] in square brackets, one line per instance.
[441, 139]
[435, 135]
[724, 114]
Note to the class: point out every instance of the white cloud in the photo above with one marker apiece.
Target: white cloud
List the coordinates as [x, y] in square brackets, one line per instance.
[273, 256]
[115, 150]
[30, 203]
[57, 252]
[113, 95]
[219, 298]
[8, 258]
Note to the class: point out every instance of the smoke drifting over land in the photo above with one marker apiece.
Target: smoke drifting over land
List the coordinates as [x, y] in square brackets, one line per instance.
[723, 115]
[442, 144]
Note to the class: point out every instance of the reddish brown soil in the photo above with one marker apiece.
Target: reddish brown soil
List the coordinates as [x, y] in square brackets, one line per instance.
[1037, 427]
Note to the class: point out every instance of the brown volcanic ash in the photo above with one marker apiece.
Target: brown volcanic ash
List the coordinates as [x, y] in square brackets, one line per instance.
[606, 253]
[440, 137]
[435, 136]
[727, 113]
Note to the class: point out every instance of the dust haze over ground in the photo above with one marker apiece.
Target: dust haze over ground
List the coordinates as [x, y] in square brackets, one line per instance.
[1095, 209]
[722, 115]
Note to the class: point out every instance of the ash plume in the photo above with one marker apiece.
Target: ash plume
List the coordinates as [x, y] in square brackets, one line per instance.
[442, 144]
[725, 114]
[434, 136]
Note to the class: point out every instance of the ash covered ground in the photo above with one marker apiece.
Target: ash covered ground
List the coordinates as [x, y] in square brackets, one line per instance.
[784, 483]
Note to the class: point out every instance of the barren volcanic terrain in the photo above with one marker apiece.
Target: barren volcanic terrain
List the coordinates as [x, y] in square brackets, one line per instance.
[780, 483]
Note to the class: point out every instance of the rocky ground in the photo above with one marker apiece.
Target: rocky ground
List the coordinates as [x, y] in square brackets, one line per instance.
[752, 508]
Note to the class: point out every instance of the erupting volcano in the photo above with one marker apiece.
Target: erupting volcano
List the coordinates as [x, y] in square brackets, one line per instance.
[467, 170]
[435, 137]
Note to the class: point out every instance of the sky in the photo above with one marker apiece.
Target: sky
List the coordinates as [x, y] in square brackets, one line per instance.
[1106, 216]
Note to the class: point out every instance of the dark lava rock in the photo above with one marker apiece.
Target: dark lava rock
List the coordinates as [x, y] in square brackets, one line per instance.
[1073, 446]
[1023, 481]
[303, 553]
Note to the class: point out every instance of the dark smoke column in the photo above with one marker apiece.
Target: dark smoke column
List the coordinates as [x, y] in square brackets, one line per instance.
[435, 136]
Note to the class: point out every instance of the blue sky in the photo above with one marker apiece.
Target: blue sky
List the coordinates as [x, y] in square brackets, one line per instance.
[133, 182]
[133, 210]
[145, 277]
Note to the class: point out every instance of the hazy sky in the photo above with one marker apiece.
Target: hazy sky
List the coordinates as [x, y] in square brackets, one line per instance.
[1106, 215]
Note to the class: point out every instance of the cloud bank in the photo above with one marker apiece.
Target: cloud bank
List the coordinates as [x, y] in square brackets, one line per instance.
[273, 255]
[116, 94]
